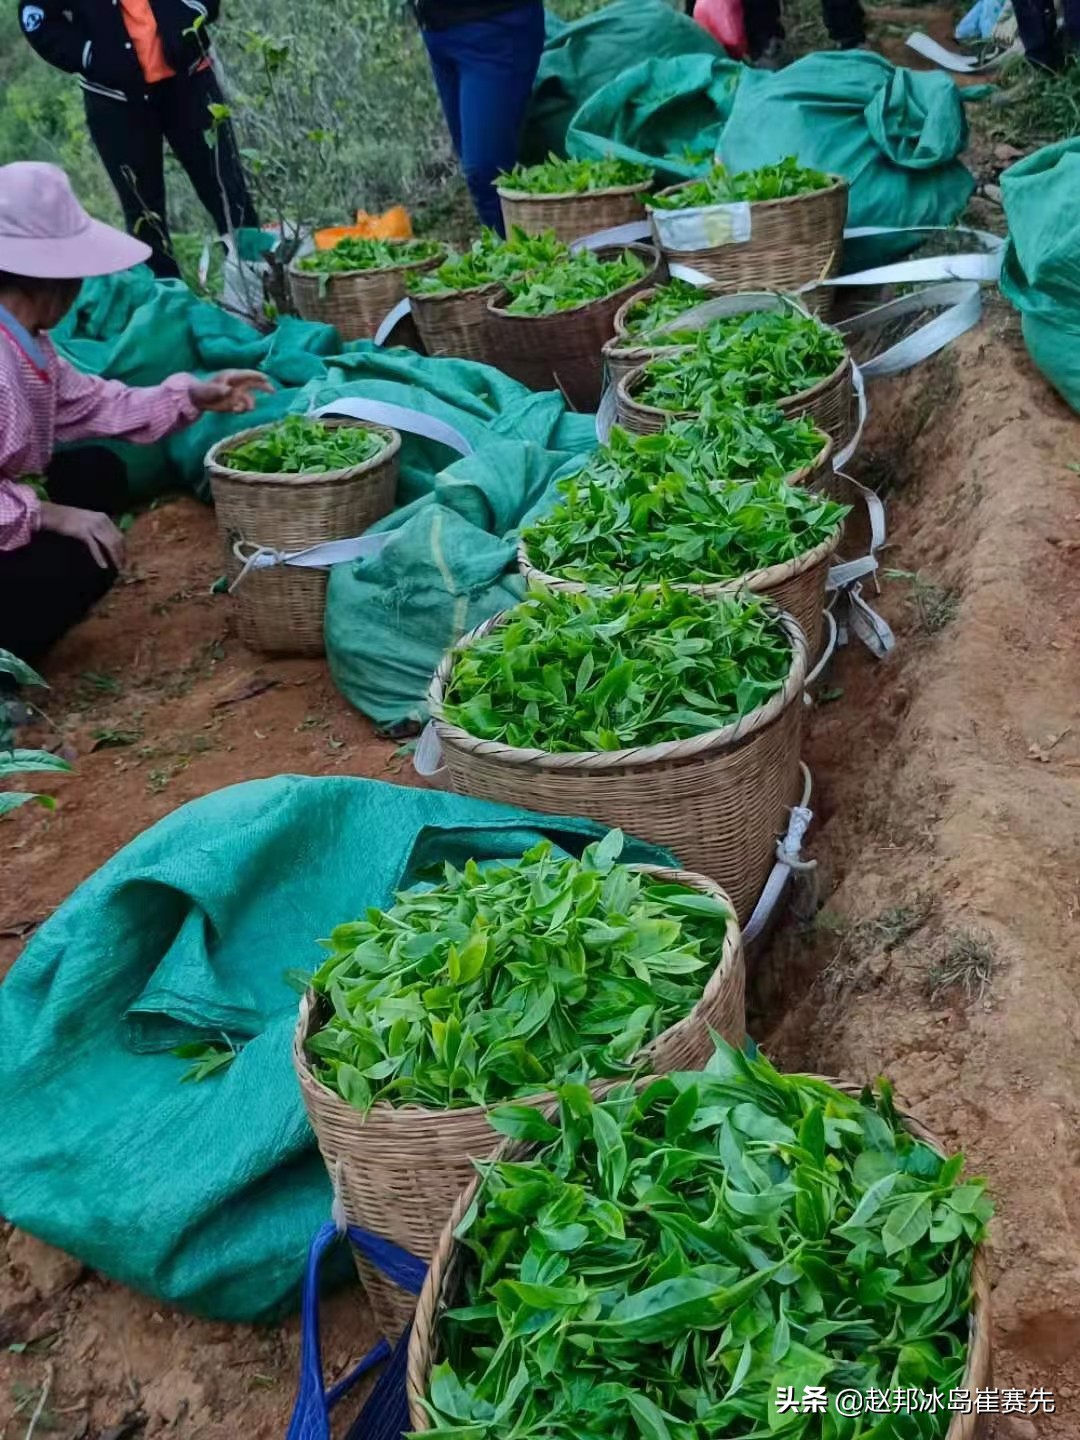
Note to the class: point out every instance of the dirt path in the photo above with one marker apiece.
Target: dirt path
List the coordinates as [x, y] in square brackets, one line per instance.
[948, 789]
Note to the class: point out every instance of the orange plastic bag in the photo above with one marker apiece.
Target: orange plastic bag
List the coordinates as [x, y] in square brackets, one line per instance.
[395, 224]
[723, 19]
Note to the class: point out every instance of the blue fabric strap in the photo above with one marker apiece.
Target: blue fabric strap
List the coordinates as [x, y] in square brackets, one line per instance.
[385, 1416]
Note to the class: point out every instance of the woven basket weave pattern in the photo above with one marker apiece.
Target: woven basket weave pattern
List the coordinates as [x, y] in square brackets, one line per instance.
[441, 1293]
[398, 1171]
[280, 609]
[355, 302]
[793, 242]
[456, 325]
[573, 215]
[564, 351]
[718, 801]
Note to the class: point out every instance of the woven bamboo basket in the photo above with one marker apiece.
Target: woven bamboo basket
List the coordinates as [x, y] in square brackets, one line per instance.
[797, 586]
[830, 403]
[281, 608]
[564, 351]
[355, 302]
[718, 801]
[456, 324]
[399, 1170]
[441, 1293]
[573, 214]
[793, 242]
[621, 355]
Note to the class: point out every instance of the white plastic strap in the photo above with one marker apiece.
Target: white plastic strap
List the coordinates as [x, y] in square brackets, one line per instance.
[843, 456]
[983, 265]
[959, 64]
[428, 756]
[629, 234]
[315, 557]
[391, 320]
[827, 652]
[690, 275]
[606, 415]
[858, 618]
[960, 305]
[789, 861]
[398, 417]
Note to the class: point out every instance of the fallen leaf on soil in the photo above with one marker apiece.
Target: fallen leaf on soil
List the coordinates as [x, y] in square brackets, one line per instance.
[257, 685]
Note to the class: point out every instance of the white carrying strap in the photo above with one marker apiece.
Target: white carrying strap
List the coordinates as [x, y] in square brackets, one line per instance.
[315, 557]
[398, 417]
[391, 320]
[789, 865]
[855, 617]
[983, 264]
[957, 63]
[848, 571]
[428, 756]
[959, 305]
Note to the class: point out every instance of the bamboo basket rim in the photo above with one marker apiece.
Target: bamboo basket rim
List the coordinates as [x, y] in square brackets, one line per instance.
[839, 182]
[444, 296]
[504, 192]
[403, 1116]
[803, 397]
[422, 1352]
[369, 271]
[308, 477]
[663, 752]
[651, 254]
[709, 292]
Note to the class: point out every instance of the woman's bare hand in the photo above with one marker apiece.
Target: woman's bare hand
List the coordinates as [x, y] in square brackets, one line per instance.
[96, 531]
[232, 392]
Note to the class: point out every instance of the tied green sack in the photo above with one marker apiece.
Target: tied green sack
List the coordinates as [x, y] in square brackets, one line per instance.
[895, 134]
[1040, 273]
[581, 58]
[665, 113]
[449, 565]
[206, 1195]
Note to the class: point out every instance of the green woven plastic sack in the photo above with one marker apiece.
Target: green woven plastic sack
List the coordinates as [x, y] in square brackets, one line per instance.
[895, 134]
[665, 113]
[581, 58]
[1040, 273]
[206, 1195]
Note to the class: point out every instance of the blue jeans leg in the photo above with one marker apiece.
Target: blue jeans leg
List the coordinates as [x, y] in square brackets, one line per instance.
[447, 77]
[495, 63]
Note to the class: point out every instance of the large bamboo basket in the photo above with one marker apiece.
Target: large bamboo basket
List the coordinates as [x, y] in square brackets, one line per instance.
[797, 586]
[440, 1293]
[355, 302]
[830, 403]
[621, 355]
[457, 323]
[793, 242]
[281, 608]
[718, 801]
[573, 214]
[399, 1169]
[564, 351]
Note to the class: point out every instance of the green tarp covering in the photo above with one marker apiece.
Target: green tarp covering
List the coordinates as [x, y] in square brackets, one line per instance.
[1040, 273]
[207, 1194]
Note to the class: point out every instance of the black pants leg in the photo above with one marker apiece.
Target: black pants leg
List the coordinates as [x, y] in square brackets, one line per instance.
[47, 586]
[127, 134]
[214, 169]
[845, 21]
[1036, 21]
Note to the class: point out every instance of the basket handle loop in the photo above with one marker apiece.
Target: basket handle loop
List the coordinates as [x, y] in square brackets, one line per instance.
[311, 1410]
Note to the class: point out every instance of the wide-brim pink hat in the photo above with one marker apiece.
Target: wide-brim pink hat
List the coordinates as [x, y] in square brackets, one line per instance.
[45, 234]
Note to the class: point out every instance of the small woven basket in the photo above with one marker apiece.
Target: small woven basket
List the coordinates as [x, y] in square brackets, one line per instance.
[355, 302]
[573, 214]
[399, 1169]
[281, 607]
[718, 801]
[830, 403]
[441, 1293]
[793, 242]
[456, 324]
[797, 586]
[564, 351]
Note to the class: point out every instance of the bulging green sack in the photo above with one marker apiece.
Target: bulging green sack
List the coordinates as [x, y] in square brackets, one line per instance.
[1040, 272]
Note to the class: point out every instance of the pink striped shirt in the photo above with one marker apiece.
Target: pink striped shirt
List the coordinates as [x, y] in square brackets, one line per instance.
[43, 405]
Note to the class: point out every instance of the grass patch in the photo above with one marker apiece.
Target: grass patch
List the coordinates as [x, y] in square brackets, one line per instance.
[863, 941]
[934, 605]
[969, 963]
[1036, 107]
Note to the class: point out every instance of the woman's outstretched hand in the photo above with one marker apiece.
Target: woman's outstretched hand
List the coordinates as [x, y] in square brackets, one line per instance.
[232, 392]
[96, 531]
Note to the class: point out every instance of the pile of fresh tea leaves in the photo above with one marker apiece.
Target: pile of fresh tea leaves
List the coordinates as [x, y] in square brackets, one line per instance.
[490, 260]
[572, 282]
[353, 253]
[299, 445]
[574, 177]
[770, 182]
